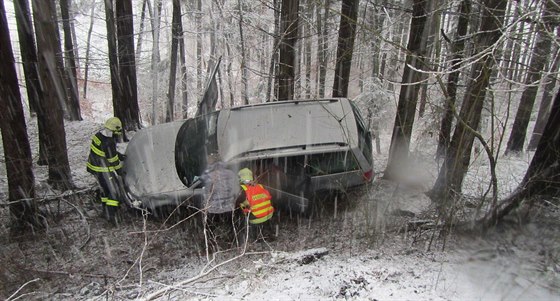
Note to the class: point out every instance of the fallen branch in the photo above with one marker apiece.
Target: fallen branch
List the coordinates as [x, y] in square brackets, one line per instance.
[20, 288]
[6, 203]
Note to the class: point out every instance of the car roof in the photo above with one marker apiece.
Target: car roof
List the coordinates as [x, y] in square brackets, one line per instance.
[286, 126]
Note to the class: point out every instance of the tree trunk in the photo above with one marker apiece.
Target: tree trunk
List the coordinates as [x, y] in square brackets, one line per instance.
[17, 152]
[155, 61]
[244, 75]
[145, 4]
[345, 50]
[128, 110]
[452, 172]
[88, 45]
[546, 100]
[63, 84]
[199, 77]
[28, 52]
[539, 60]
[70, 62]
[323, 46]
[273, 69]
[116, 83]
[289, 32]
[408, 97]
[184, 88]
[543, 175]
[59, 175]
[457, 55]
[176, 35]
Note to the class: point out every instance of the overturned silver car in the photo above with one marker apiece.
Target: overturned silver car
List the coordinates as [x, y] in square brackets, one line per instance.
[297, 149]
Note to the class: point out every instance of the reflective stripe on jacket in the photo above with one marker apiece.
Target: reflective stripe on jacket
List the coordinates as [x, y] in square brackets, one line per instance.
[260, 204]
[103, 155]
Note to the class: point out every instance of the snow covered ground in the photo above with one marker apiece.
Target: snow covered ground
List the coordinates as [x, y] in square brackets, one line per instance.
[357, 250]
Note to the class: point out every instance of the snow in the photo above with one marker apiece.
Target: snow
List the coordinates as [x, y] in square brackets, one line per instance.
[363, 255]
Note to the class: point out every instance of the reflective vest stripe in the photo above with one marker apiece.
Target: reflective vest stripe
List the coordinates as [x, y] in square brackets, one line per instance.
[260, 220]
[257, 206]
[104, 199]
[114, 159]
[97, 151]
[113, 203]
[260, 212]
[259, 202]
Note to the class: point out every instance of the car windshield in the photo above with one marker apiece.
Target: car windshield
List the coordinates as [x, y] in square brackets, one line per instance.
[196, 138]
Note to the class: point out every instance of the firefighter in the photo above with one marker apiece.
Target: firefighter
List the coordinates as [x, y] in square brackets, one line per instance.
[257, 206]
[105, 163]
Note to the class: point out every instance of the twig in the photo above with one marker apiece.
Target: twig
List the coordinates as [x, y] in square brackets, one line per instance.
[20, 288]
[85, 221]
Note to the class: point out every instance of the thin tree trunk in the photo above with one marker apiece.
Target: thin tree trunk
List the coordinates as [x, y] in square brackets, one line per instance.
[116, 84]
[145, 3]
[28, 52]
[198, 20]
[59, 175]
[458, 48]
[184, 87]
[17, 151]
[244, 75]
[408, 97]
[155, 61]
[452, 172]
[274, 55]
[88, 45]
[70, 62]
[176, 35]
[538, 62]
[323, 46]
[289, 31]
[345, 50]
[546, 100]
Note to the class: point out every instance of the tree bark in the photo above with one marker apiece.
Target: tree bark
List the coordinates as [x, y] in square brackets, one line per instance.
[59, 175]
[346, 36]
[452, 172]
[546, 100]
[70, 62]
[88, 45]
[323, 46]
[155, 61]
[244, 73]
[408, 97]
[116, 83]
[17, 151]
[28, 52]
[289, 31]
[128, 110]
[539, 60]
[176, 35]
[457, 55]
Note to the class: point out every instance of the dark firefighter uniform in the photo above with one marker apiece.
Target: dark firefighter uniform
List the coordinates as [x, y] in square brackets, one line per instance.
[104, 162]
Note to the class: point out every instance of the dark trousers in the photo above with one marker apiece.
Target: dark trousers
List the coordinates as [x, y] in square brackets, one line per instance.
[108, 191]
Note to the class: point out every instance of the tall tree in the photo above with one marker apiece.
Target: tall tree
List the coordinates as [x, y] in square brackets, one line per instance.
[88, 46]
[155, 59]
[17, 152]
[28, 52]
[289, 36]
[539, 59]
[70, 62]
[543, 174]
[59, 175]
[454, 167]
[322, 44]
[346, 35]
[127, 110]
[244, 73]
[457, 50]
[408, 97]
[550, 81]
[116, 83]
[175, 36]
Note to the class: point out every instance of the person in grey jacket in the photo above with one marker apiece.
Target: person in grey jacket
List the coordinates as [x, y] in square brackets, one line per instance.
[221, 190]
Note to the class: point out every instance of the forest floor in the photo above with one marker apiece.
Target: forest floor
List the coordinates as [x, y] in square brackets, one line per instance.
[379, 242]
